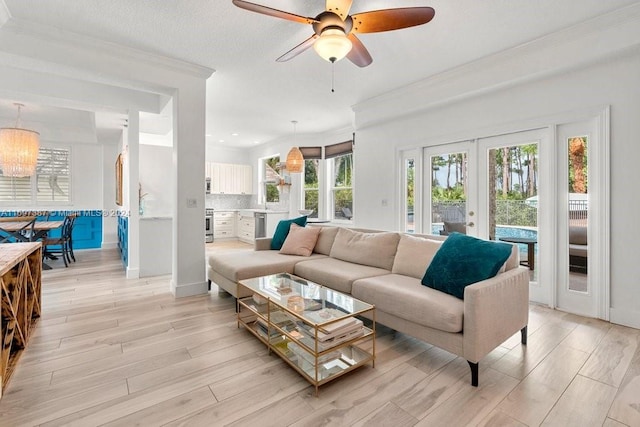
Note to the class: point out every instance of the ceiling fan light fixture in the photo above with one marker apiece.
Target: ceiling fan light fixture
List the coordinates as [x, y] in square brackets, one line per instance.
[333, 44]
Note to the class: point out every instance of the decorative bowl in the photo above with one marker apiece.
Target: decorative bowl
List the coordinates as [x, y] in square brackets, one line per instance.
[305, 211]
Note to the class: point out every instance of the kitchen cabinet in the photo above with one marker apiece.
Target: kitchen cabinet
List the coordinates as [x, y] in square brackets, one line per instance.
[246, 227]
[243, 179]
[229, 178]
[224, 225]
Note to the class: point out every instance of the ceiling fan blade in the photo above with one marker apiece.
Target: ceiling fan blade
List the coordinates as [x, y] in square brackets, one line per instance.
[298, 49]
[358, 54]
[339, 7]
[391, 19]
[273, 12]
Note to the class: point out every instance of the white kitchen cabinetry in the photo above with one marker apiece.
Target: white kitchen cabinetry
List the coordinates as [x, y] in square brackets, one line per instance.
[228, 178]
[243, 179]
[246, 227]
[224, 225]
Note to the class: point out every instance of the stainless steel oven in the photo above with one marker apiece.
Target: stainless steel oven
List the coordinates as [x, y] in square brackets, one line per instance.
[208, 225]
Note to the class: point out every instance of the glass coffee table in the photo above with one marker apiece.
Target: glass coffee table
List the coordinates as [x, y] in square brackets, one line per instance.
[315, 329]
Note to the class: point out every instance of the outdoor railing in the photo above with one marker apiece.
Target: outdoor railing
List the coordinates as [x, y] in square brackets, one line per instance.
[508, 212]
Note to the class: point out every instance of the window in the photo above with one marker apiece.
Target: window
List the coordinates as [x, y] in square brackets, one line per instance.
[51, 183]
[341, 191]
[270, 179]
[327, 186]
[312, 176]
[409, 190]
[311, 186]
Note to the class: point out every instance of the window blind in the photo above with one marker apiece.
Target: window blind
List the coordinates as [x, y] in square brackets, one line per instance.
[339, 149]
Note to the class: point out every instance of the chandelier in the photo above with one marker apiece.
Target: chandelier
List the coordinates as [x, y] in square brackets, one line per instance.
[18, 150]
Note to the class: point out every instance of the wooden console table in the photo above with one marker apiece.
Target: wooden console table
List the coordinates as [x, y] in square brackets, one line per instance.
[21, 283]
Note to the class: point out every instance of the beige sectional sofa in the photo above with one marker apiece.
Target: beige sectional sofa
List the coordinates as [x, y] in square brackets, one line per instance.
[385, 269]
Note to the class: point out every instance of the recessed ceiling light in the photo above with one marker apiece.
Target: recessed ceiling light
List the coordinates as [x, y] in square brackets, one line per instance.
[208, 134]
[256, 142]
[222, 140]
[235, 134]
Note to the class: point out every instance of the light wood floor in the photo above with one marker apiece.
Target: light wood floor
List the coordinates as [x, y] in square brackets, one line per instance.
[117, 352]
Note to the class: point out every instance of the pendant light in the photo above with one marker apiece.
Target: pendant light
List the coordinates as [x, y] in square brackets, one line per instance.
[295, 160]
[18, 150]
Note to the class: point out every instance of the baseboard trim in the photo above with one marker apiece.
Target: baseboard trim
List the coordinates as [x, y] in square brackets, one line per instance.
[133, 273]
[189, 289]
[110, 245]
[623, 317]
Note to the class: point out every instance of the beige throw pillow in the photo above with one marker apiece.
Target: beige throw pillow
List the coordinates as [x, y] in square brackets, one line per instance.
[373, 249]
[414, 255]
[300, 240]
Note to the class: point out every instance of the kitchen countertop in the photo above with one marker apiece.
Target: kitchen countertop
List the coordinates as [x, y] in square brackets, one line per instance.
[265, 210]
[252, 210]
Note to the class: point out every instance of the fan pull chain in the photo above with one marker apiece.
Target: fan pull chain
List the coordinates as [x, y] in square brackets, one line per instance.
[333, 73]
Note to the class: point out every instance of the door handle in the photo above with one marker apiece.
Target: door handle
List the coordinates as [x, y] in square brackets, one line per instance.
[471, 224]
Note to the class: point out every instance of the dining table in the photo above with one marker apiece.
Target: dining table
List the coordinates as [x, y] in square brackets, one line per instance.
[40, 230]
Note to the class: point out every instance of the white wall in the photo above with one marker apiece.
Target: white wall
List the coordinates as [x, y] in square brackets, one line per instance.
[109, 221]
[614, 81]
[221, 154]
[155, 177]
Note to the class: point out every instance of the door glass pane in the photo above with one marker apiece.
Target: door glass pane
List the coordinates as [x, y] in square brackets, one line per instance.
[578, 210]
[448, 193]
[513, 199]
[410, 174]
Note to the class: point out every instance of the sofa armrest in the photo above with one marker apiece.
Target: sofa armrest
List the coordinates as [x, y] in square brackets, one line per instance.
[262, 244]
[494, 310]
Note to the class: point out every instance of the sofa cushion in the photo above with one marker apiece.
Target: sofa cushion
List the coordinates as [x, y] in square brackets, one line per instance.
[300, 240]
[414, 255]
[325, 239]
[405, 297]
[282, 230]
[246, 264]
[463, 260]
[334, 273]
[373, 249]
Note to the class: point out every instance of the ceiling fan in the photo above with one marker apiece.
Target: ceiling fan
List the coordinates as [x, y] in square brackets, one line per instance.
[334, 29]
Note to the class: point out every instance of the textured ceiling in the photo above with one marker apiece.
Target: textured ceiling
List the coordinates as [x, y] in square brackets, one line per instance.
[256, 97]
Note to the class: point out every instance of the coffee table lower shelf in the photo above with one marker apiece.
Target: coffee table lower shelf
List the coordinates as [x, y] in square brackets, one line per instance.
[331, 363]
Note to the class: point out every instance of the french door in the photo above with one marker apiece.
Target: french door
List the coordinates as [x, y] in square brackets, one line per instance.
[489, 188]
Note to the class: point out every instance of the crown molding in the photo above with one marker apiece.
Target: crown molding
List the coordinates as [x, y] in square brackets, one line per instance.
[589, 42]
[48, 36]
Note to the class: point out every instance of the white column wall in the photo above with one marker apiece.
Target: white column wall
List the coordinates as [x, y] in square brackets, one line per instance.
[132, 165]
[188, 273]
[109, 221]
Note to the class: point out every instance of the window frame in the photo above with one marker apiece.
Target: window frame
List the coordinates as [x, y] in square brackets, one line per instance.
[332, 189]
[33, 183]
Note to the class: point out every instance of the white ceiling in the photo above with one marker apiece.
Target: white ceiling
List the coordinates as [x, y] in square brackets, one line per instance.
[256, 97]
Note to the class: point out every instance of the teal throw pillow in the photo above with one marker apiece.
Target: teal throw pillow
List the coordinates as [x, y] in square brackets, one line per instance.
[463, 260]
[282, 231]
